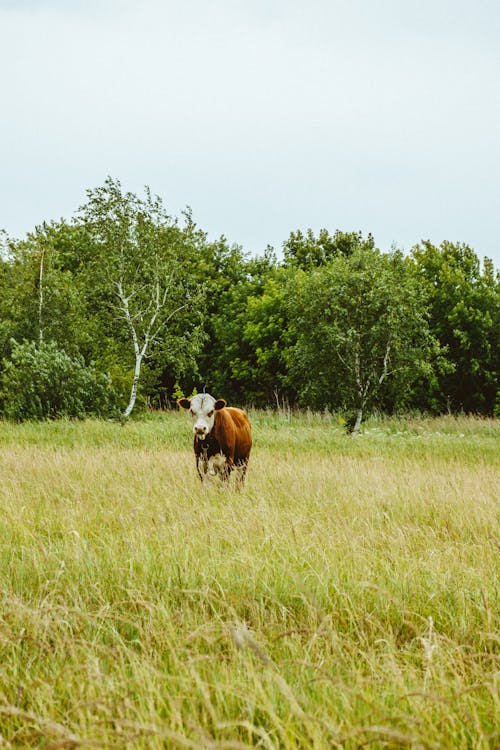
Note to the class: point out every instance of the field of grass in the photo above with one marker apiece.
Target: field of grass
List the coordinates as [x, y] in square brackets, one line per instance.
[347, 597]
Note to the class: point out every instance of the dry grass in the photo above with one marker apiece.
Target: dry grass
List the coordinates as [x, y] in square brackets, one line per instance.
[347, 597]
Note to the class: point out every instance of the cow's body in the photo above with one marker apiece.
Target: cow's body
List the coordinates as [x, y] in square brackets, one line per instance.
[222, 437]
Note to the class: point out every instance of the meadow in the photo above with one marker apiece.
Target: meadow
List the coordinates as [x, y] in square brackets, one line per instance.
[347, 597]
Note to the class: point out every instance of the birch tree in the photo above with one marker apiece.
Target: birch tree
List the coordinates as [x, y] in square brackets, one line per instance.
[138, 266]
[360, 324]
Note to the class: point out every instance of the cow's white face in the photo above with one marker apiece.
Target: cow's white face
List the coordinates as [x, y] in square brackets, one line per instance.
[202, 408]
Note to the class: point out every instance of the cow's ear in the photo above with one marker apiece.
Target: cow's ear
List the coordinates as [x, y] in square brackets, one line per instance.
[219, 404]
[184, 403]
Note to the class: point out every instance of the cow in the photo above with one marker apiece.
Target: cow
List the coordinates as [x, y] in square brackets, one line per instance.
[222, 437]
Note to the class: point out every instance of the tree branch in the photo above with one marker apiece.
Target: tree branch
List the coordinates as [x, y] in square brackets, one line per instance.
[385, 371]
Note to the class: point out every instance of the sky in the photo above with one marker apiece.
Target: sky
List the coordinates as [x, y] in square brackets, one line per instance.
[264, 117]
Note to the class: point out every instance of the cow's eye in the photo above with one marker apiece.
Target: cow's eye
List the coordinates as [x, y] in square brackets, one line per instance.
[210, 413]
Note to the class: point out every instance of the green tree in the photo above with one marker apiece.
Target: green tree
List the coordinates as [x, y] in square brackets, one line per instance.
[234, 365]
[307, 251]
[465, 318]
[139, 276]
[268, 337]
[360, 323]
[222, 271]
[40, 297]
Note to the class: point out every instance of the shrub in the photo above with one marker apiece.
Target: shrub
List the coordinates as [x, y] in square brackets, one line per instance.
[42, 381]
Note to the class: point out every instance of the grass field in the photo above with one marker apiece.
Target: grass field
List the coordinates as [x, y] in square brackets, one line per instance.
[347, 597]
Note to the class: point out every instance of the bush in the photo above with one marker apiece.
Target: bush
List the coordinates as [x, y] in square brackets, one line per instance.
[42, 381]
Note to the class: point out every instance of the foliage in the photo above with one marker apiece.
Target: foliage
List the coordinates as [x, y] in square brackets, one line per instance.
[138, 268]
[307, 251]
[360, 322]
[229, 362]
[464, 304]
[68, 315]
[221, 270]
[266, 332]
[42, 381]
[147, 298]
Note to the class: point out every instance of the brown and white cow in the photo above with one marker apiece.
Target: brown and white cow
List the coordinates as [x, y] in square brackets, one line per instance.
[222, 437]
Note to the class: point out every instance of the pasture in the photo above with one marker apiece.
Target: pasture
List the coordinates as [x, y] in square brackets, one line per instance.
[347, 597]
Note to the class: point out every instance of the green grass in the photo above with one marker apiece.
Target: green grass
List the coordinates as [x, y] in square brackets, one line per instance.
[347, 597]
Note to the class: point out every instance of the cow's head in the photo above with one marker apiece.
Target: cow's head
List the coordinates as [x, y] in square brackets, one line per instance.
[202, 408]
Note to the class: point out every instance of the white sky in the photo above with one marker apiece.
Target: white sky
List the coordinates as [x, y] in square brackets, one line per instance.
[263, 115]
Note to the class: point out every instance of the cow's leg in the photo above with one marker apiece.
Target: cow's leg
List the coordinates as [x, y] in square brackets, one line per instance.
[202, 467]
[228, 469]
[241, 470]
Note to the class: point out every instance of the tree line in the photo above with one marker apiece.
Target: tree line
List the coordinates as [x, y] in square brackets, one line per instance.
[124, 304]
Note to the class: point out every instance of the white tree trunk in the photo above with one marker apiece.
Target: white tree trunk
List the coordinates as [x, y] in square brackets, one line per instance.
[40, 298]
[357, 423]
[135, 384]
[152, 329]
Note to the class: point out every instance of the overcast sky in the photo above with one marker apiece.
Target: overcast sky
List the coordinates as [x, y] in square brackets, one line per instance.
[263, 115]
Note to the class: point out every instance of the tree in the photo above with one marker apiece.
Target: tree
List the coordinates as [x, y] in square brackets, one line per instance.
[137, 271]
[307, 251]
[266, 331]
[231, 363]
[224, 273]
[360, 322]
[42, 298]
[465, 318]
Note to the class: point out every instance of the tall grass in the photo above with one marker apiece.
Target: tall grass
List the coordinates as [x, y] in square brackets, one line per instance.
[347, 597]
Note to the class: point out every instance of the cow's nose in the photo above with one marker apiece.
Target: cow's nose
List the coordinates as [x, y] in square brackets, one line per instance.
[199, 430]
